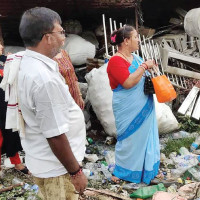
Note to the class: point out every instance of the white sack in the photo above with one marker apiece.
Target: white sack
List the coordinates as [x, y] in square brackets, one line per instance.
[167, 122]
[192, 22]
[100, 96]
[90, 36]
[79, 49]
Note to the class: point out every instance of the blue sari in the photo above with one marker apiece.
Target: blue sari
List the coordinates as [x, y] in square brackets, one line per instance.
[137, 152]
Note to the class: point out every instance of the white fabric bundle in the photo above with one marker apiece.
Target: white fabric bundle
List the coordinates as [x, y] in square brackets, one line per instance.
[79, 49]
[14, 119]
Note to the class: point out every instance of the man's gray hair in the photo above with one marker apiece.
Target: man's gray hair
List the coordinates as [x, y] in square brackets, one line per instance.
[35, 22]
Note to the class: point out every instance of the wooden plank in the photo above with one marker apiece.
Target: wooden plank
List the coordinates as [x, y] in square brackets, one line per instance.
[182, 72]
[196, 112]
[191, 107]
[188, 100]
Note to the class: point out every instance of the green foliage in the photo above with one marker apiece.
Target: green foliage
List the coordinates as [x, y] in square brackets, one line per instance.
[175, 145]
[188, 124]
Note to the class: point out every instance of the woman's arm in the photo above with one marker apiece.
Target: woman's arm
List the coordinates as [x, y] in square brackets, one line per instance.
[135, 77]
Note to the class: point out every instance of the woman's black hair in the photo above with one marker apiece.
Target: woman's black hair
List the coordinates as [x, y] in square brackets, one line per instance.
[118, 36]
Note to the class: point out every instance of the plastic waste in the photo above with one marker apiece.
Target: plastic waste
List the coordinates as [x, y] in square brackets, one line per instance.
[182, 163]
[111, 167]
[195, 173]
[31, 197]
[180, 134]
[195, 144]
[35, 188]
[179, 180]
[172, 188]
[184, 151]
[147, 192]
[105, 171]
[110, 157]
[17, 181]
[133, 186]
[91, 157]
[90, 140]
[27, 186]
[88, 173]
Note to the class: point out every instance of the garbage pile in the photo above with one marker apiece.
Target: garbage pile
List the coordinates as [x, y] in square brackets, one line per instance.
[179, 172]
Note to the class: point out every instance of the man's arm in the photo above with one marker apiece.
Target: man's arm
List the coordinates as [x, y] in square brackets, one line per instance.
[62, 150]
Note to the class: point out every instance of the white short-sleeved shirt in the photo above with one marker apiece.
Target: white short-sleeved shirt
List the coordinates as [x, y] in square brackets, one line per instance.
[48, 110]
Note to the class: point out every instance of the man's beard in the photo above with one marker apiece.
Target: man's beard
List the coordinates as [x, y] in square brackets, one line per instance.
[54, 52]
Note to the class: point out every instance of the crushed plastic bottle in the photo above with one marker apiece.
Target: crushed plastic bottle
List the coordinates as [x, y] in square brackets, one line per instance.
[184, 151]
[133, 186]
[195, 144]
[195, 173]
[172, 188]
[180, 134]
[17, 181]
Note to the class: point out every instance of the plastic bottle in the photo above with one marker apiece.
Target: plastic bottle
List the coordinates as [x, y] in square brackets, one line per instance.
[195, 144]
[184, 151]
[17, 181]
[146, 192]
[195, 173]
[105, 171]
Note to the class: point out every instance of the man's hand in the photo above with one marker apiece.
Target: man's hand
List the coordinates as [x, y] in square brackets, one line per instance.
[80, 182]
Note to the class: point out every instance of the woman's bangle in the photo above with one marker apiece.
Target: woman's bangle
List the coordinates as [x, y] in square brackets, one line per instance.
[146, 66]
[142, 67]
[80, 94]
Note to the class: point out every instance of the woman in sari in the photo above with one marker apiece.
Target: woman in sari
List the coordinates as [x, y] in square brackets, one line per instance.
[137, 152]
[67, 71]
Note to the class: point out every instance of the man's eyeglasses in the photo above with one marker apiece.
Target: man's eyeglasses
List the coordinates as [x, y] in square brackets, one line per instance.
[61, 32]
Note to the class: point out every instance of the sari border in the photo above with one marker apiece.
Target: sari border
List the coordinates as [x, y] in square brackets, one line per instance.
[136, 176]
[138, 120]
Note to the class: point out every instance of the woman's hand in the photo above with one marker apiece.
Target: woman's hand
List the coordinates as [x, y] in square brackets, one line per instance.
[81, 103]
[150, 63]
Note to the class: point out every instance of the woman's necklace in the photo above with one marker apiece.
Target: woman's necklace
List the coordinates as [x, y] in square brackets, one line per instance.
[124, 56]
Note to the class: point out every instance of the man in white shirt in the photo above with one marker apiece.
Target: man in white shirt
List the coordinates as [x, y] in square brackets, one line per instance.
[54, 140]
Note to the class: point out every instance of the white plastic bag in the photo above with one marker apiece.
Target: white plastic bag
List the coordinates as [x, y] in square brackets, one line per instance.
[100, 96]
[167, 122]
[79, 49]
[192, 22]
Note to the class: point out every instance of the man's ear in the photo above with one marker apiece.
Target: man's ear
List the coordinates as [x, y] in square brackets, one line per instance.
[47, 38]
